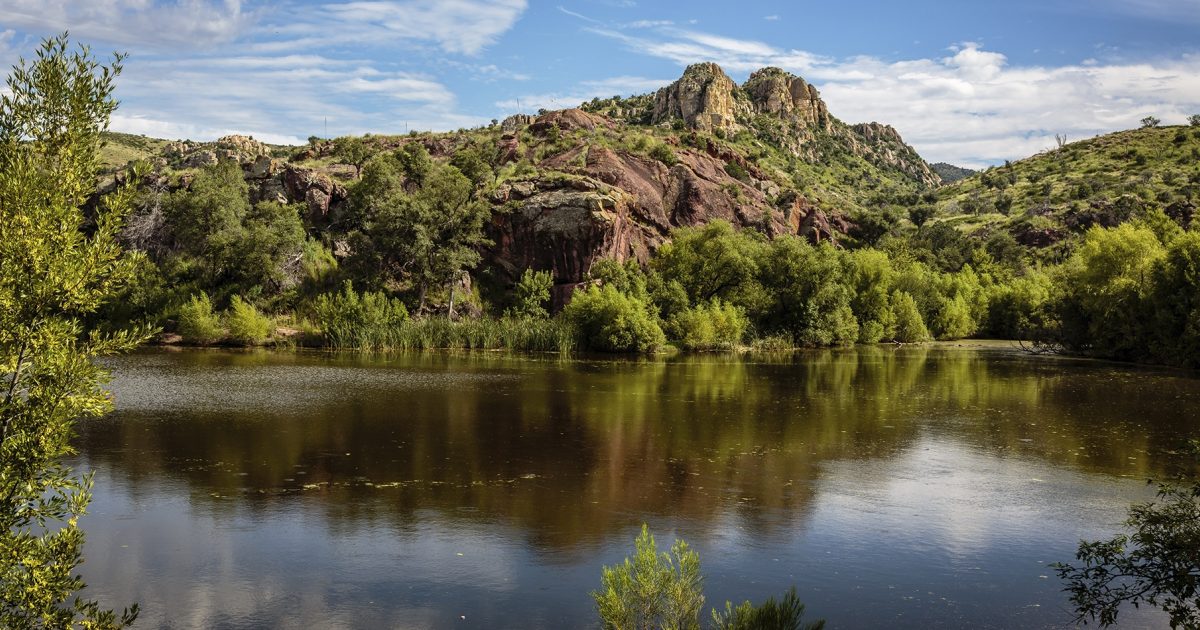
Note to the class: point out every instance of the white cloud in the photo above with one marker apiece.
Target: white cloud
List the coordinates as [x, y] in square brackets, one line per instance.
[972, 107]
[455, 26]
[584, 91]
[133, 23]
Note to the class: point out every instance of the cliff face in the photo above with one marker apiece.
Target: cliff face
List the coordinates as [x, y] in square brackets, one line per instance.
[706, 99]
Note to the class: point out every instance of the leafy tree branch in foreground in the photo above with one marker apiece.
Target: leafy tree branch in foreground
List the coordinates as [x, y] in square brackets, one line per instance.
[56, 268]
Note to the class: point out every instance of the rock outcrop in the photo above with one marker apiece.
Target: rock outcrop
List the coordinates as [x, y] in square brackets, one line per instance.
[706, 99]
[778, 93]
[703, 98]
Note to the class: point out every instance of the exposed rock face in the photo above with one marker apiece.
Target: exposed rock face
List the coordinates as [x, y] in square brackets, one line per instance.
[703, 97]
[568, 120]
[624, 206]
[773, 91]
[515, 123]
[316, 190]
[883, 145]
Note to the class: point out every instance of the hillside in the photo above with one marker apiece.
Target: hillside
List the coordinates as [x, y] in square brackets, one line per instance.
[1048, 200]
[950, 173]
[570, 187]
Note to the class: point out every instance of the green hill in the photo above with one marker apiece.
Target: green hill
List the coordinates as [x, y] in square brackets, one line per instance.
[1048, 200]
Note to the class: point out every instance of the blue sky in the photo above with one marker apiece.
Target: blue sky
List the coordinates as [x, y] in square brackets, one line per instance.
[968, 82]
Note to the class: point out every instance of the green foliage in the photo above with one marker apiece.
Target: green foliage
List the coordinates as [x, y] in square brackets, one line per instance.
[55, 269]
[196, 322]
[714, 261]
[353, 151]
[1194, 120]
[531, 294]
[785, 614]
[910, 326]
[245, 323]
[809, 298]
[663, 153]
[655, 590]
[713, 326]
[366, 321]
[1156, 563]
[1150, 122]
[611, 321]
[224, 245]
[1103, 285]
[427, 236]
[652, 589]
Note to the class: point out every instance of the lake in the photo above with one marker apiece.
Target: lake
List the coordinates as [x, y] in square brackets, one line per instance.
[922, 486]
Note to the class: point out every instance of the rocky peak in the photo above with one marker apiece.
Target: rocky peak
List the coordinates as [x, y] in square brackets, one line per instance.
[703, 98]
[781, 93]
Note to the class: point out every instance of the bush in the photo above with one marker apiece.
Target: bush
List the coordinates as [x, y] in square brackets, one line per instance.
[653, 590]
[714, 326]
[786, 614]
[910, 327]
[531, 294]
[663, 590]
[246, 325]
[366, 321]
[196, 322]
[610, 321]
[663, 153]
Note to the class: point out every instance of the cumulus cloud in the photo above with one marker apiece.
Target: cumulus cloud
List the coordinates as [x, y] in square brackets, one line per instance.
[282, 97]
[970, 107]
[456, 26]
[138, 23]
[205, 68]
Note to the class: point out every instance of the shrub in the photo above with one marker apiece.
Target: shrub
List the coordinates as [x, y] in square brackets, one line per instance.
[652, 590]
[910, 327]
[531, 294]
[246, 325]
[610, 321]
[663, 590]
[366, 321]
[785, 614]
[196, 322]
[663, 153]
[714, 326]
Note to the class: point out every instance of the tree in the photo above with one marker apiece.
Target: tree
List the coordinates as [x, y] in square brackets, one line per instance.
[53, 272]
[421, 222]
[653, 590]
[353, 151]
[1150, 122]
[1194, 120]
[1158, 563]
[920, 215]
[662, 591]
[531, 294]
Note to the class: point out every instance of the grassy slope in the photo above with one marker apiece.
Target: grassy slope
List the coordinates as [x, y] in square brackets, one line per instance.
[1151, 166]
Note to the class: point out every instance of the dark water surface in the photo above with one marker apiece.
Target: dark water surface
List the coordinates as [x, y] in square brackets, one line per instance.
[914, 487]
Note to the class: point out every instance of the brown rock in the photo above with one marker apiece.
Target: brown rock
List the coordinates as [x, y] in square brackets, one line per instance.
[703, 98]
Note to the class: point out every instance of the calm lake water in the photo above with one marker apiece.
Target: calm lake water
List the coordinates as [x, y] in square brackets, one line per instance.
[915, 487]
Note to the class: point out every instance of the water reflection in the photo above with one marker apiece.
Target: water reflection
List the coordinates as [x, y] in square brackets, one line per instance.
[333, 488]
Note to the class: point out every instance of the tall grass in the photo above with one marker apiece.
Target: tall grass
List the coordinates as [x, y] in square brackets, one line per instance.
[436, 333]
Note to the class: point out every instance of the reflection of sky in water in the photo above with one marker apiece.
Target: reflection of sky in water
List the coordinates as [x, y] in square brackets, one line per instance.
[898, 490]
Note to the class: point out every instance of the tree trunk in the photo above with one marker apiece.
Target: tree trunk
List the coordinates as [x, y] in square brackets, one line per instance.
[450, 313]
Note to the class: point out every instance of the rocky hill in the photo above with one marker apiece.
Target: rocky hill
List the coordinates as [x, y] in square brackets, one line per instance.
[950, 173]
[612, 179]
[1048, 200]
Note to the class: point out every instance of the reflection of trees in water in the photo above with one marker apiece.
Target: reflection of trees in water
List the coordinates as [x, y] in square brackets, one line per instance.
[570, 450]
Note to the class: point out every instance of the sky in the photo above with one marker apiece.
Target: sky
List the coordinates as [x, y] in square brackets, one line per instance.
[970, 82]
